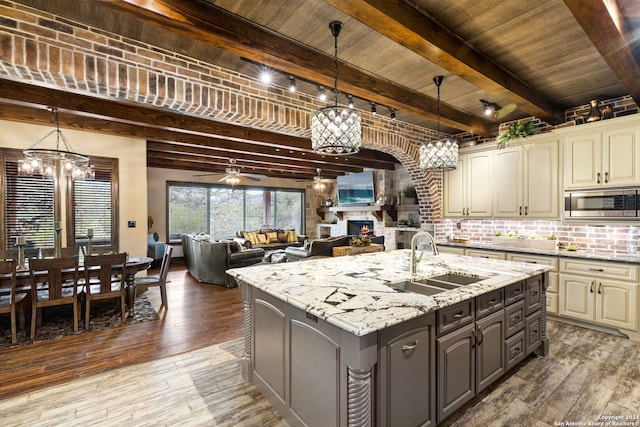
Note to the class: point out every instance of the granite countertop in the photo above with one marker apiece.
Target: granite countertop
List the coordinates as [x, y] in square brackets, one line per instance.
[580, 253]
[355, 293]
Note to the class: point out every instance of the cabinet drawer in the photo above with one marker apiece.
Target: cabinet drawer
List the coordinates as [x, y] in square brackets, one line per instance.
[452, 317]
[513, 293]
[485, 254]
[611, 270]
[533, 331]
[450, 250]
[552, 303]
[514, 318]
[514, 350]
[533, 295]
[489, 303]
[534, 259]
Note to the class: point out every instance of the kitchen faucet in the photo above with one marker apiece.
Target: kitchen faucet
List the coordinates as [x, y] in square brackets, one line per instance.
[414, 241]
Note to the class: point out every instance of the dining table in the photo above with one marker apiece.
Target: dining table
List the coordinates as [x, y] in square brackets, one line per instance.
[133, 265]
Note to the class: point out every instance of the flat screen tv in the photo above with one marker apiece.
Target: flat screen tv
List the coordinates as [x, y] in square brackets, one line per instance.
[356, 189]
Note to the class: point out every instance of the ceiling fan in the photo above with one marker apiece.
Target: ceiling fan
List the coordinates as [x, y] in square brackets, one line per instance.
[233, 175]
[502, 112]
[320, 183]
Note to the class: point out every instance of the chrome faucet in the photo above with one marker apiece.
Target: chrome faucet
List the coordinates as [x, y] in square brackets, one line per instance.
[414, 241]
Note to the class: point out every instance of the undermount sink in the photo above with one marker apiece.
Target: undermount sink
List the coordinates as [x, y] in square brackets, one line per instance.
[437, 284]
[455, 279]
[418, 288]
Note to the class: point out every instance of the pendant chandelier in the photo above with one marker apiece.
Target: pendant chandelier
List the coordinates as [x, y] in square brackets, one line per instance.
[442, 154]
[336, 129]
[46, 161]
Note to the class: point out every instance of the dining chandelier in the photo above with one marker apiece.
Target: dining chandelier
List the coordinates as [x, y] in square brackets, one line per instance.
[442, 154]
[336, 129]
[47, 161]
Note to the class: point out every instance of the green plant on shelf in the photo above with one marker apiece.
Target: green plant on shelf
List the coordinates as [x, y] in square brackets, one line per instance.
[410, 192]
[516, 132]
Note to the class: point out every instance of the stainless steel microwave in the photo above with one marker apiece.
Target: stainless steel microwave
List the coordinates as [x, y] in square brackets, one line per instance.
[602, 204]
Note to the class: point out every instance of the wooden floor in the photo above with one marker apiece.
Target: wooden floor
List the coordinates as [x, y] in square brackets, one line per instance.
[199, 315]
[173, 374]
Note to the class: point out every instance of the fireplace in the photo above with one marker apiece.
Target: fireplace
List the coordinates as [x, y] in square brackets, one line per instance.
[360, 228]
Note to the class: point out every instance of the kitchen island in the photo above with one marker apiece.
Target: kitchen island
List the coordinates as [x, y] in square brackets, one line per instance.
[340, 341]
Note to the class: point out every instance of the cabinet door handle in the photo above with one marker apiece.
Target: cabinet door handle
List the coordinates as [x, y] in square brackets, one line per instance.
[606, 177]
[599, 287]
[409, 347]
[492, 302]
[591, 287]
[481, 337]
[534, 293]
[598, 178]
[520, 210]
[515, 320]
[458, 315]
[516, 292]
[526, 210]
[601, 270]
[515, 351]
[531, 262]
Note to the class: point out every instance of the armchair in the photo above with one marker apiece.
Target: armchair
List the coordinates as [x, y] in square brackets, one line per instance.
[155, 249]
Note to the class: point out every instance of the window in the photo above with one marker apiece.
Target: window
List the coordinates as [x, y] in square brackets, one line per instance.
[95, 206]
[29, 203]
[220, 211]
[32, 204]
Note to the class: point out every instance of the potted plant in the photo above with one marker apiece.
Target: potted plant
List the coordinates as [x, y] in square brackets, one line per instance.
[359, 241]
[410, 195]
[516, 132]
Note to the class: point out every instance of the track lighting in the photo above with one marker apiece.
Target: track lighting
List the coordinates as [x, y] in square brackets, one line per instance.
[265, 74]
[489, 107]
[373, 108]
[292, 84]
[392, 113]
[350, 98]
[322, 94]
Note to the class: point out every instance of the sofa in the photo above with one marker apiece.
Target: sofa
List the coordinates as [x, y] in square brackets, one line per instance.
[269, 239]
[208, 260]
[322, 247]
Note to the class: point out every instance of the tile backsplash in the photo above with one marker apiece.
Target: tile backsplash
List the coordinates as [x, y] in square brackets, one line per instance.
[602, 238]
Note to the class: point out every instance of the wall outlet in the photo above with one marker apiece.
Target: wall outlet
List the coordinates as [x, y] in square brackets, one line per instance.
[131, 224]
[458, 225]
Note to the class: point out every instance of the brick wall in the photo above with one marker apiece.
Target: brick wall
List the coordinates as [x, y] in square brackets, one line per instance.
[44, 48]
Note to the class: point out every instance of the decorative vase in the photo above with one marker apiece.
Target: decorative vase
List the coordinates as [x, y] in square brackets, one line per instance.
[594, 112]
[409, 201]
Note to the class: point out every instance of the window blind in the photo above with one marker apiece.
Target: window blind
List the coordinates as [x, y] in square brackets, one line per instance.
[29, 208]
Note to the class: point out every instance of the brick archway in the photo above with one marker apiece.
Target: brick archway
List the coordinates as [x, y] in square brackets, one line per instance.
[428, 185]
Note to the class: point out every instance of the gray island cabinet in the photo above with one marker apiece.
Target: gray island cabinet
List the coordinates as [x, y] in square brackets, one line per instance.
[341, 342]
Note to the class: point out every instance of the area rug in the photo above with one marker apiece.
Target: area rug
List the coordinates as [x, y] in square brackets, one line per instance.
[57, 322]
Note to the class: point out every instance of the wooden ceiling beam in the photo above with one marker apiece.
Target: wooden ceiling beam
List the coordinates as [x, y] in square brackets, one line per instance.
[596, 21]
[420, 33]
[106, 115]
[205, 22]
[265, 161]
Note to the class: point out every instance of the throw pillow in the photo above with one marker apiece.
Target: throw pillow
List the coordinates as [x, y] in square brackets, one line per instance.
[272, 237]
[235, 247]
[262, 239]
[282, 237]
[292, 236]
[250, 236]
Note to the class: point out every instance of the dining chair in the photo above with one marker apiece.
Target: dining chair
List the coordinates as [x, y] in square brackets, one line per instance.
[109, 270]
[10, 300]
[160, 279]
[54, 282]
[64, 252]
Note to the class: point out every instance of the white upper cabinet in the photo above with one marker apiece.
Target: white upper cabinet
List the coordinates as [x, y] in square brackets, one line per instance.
[527, 179]
[468, 189]
[604, 154]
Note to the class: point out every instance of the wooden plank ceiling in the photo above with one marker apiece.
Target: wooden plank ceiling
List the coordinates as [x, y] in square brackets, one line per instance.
[531, 58]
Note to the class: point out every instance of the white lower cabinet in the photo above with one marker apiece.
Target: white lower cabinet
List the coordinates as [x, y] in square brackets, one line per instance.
[588, 293]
